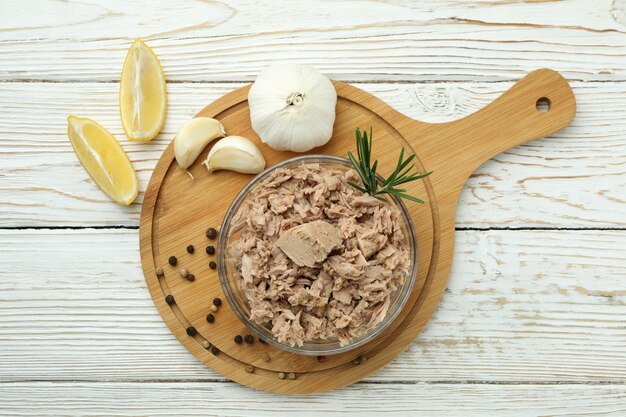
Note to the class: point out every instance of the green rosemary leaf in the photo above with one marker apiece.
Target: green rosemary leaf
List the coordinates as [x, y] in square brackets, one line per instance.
[396, 190]
[405, 163]
[408, 197]
[373, 173]
[393, 175]
[356, 165]
[367, 171]
[369, 148]
[413, 178]
[361, 189]
[359, 147]
[406, 172]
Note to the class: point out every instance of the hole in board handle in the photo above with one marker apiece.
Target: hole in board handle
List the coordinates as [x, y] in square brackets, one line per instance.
[543, 105]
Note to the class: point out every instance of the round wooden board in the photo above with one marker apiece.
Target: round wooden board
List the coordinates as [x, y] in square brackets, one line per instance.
[177, 211]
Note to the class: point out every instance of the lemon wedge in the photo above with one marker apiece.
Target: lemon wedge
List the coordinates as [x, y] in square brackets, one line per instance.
[104, 159]
[143, 97]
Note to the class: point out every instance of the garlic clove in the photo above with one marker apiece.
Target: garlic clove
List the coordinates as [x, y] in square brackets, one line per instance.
[235, 153]
[193, 137]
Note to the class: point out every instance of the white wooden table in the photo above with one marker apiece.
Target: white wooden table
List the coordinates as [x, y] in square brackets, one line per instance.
[534, 320]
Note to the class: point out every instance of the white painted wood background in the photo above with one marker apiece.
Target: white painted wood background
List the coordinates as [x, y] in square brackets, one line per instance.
[534, 320]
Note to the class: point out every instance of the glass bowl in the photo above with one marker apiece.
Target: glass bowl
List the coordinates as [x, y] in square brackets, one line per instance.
[232, 285]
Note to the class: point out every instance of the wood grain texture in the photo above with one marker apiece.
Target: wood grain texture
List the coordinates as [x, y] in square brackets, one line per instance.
[86, 21]
[73, 320]
[575, 178]
[520, 306]
[350, 41]
[170, 220]
[452, 151]
[216, 399]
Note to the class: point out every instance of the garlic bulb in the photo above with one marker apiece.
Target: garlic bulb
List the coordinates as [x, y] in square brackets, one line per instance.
[292, 107]
[193, 137]
[235, 153]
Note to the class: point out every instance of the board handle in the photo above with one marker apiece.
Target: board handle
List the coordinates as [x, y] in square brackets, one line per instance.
[538, 105]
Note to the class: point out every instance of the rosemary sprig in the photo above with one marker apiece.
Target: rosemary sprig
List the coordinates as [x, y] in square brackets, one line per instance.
[401, 175]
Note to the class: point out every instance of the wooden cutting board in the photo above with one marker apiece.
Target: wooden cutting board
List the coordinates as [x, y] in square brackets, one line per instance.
[177, 211]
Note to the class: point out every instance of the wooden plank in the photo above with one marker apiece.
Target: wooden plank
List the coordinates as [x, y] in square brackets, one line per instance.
[351, 41]
[574, 179]
[221, 399]
[190, 18]
[532, 306]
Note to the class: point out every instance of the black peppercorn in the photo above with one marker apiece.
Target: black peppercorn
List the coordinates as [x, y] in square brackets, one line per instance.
[191, 277]
[172, 260]
[210, 250]
[170, 299]
[249, 339]
[214, 350]
[360, 360]
[238, 339]
[191, 331]
[210, 318]
[211, 233]
[212, 265]
[190, 249]
[217, 302]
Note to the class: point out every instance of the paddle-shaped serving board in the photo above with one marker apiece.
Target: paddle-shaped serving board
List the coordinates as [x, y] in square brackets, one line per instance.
[177, 210]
